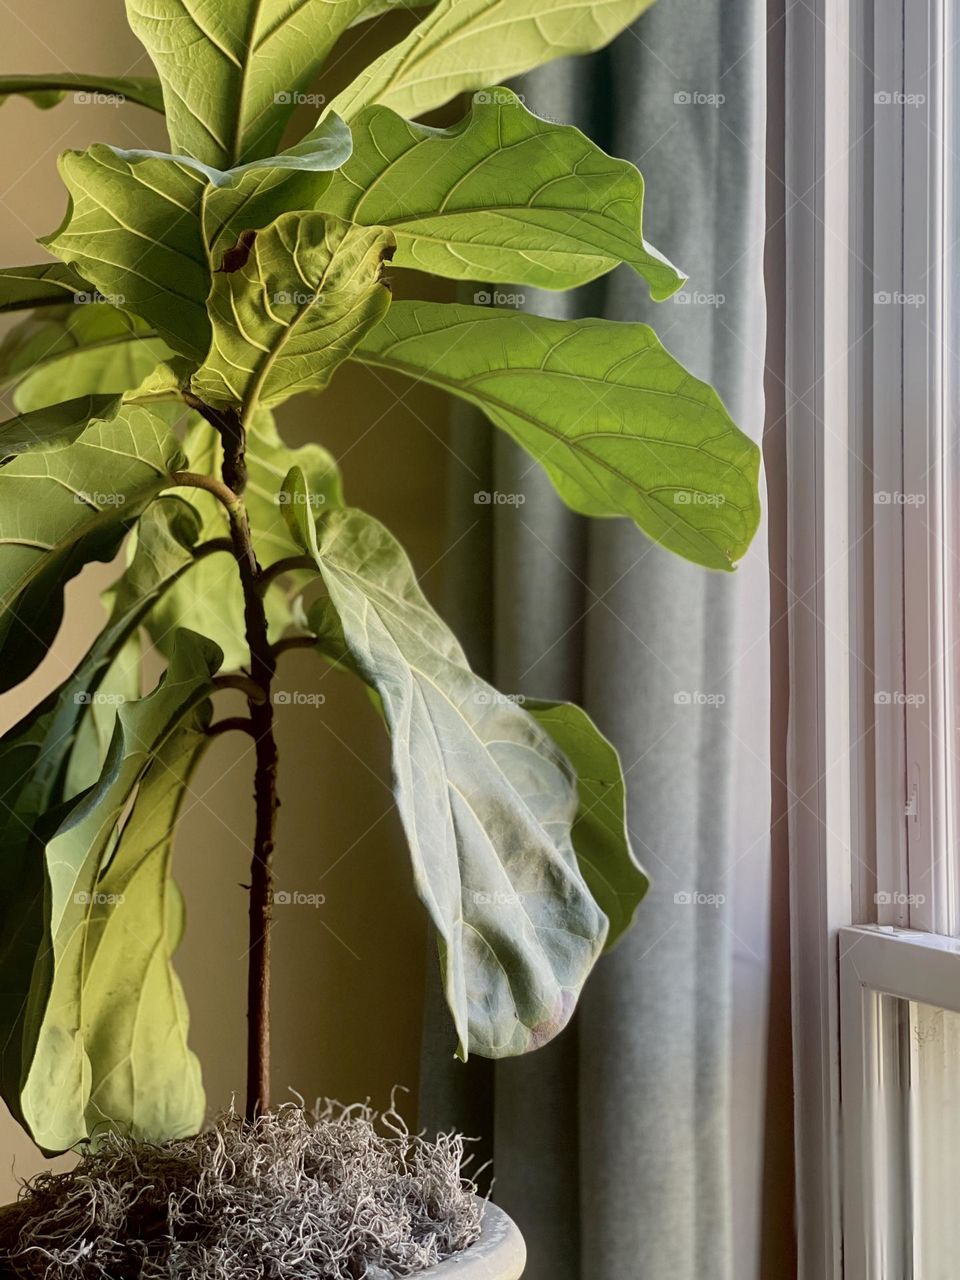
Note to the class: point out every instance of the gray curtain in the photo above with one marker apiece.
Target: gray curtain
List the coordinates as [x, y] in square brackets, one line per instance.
[613, 1147]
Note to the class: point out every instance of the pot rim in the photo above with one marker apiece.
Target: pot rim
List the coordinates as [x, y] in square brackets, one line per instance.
[498, 1254]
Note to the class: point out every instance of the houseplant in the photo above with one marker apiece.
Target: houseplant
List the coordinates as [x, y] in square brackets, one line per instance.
[195, 291]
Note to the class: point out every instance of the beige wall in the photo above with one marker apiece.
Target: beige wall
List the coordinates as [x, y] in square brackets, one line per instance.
[348, 975]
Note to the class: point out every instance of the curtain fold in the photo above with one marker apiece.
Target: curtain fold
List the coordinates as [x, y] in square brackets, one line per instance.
[613, 1146]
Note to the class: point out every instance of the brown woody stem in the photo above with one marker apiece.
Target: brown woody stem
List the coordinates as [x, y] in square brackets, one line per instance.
[257, 687]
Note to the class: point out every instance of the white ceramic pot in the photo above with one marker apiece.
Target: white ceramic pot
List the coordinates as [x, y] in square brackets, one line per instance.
[499, 1254]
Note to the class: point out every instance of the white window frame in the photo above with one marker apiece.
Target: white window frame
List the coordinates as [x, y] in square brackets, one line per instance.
[871, 784]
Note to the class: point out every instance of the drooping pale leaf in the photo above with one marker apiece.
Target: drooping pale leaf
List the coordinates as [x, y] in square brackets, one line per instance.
[49, 90]
[63, 353]
[56, 751]
[133, 229]
[122, 682]
[310, 288]
[46, 284]
[60, 508]
[105, 1026]
[208, 599]
[233, 73]
[487, 800]
[463, 45]
[619, 425]
[146, 228]
[54, 425]
[501, 196]
[600, 837]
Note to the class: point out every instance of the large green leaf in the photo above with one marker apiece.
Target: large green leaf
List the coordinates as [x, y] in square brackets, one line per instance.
[310, 288]
[502, 196]
[47, 91]
[467, 44]
[148, 230]
[486, 799]
[63, 507]
[58, 750]
[54, 425]
[44, 285]
[63, 353]
[600, 837]
[208, 599]
[105, 1023]
[233, 73]
[620, 426]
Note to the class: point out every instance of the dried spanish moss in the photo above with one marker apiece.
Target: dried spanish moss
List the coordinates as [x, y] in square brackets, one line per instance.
[289, 1196]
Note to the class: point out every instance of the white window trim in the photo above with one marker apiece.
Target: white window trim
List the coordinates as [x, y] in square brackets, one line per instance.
[867, 394]
[875, 961]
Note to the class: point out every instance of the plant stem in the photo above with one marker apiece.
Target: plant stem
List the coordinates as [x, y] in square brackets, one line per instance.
[263, 666]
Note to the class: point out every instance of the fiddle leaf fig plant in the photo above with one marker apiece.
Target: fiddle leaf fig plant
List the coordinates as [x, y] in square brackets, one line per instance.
[194, 292]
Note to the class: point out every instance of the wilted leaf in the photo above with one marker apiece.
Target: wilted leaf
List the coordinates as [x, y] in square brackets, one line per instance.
[600, 837]
[310, 288]
[105, 1027]
[48, 90]
[620, 426]
[44, 285]
[48, 757]
[487, 800]
[60, 508]
[63, 353]
[467, 44]
[502, 196]
[146, 228]
[53, 426]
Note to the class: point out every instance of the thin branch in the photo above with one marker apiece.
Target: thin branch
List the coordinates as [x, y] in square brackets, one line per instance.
[241, 723]
[287, 565]
[211, 546]
[222, 492]
[243, 684]
[294, 642]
